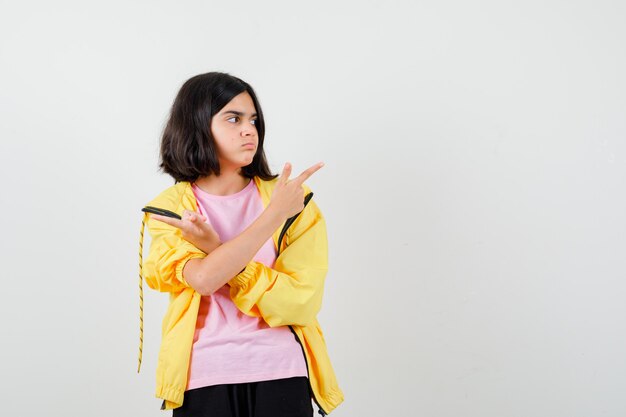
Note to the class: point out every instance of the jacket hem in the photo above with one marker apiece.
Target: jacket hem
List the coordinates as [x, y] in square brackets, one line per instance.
[173, 397]
[332, 400]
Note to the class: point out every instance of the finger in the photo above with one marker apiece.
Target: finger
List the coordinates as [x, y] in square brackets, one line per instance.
[169, 220]
[189, 214]
[284, 177]
[193, 216]
[307, 173]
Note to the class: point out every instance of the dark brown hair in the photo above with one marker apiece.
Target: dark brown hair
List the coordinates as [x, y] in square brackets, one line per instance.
[188, 149]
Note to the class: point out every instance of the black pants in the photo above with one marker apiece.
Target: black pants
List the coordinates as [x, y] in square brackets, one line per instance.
[287, 397]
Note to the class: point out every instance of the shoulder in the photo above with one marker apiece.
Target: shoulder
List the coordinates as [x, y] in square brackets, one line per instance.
[173, 197]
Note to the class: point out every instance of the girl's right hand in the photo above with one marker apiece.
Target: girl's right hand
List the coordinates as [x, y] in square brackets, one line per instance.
[288, 195]
[195, 229]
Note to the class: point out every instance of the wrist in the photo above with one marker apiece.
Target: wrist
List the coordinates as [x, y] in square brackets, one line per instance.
[275, 215]
[210, 246]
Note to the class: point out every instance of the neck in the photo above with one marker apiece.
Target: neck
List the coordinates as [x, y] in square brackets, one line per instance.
[227, 183]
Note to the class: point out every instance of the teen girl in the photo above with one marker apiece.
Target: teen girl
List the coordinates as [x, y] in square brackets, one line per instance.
[243, 255]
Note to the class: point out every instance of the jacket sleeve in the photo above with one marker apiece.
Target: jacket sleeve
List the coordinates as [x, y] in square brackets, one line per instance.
[290, 292]
[169, 251]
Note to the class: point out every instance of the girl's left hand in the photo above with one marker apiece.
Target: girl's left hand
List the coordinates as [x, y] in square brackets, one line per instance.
[194, 229]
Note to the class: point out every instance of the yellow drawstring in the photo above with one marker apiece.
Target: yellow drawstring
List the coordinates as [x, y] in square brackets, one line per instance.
[143, 223]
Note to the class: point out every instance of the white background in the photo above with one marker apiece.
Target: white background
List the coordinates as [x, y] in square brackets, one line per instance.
[473, 191]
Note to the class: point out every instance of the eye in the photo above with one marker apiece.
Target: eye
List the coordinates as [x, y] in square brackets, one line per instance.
[237, 117]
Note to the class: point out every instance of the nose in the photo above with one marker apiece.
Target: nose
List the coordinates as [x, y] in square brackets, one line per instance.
[248, 130]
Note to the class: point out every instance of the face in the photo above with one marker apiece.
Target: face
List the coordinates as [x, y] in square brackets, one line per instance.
[234, 129]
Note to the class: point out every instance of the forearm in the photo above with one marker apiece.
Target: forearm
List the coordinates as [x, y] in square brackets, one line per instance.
[220, 265]
[208, 246]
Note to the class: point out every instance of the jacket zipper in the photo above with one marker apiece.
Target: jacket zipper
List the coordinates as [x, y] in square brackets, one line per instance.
[320, 409]
[290, 221]
[280, 238]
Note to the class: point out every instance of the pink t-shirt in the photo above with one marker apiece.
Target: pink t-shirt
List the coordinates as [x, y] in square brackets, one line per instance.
[228, 346]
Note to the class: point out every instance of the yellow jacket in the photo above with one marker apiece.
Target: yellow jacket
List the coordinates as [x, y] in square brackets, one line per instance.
[290, 294]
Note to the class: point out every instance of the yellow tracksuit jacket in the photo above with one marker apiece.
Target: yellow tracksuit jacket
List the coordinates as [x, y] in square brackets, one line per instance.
[290, 294]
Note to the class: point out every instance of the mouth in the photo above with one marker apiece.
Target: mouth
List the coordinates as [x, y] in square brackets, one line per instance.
[248, 145]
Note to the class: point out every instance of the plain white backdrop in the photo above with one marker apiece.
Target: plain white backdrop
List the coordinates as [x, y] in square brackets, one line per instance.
[473, 190]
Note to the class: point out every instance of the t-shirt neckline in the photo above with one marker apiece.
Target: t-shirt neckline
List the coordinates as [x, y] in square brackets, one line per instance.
[224, 197]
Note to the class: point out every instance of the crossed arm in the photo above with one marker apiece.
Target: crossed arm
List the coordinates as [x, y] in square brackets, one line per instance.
[289, 293]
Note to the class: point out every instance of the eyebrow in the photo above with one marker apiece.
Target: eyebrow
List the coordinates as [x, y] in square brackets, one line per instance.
[238, 113]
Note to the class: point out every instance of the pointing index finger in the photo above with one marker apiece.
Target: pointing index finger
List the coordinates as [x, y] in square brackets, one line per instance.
[307, 173]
